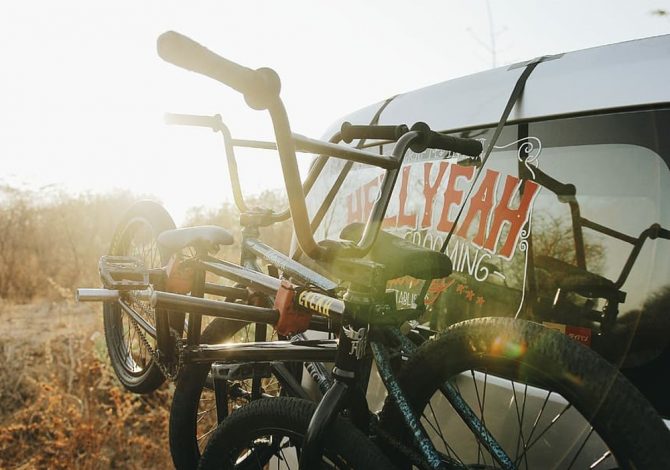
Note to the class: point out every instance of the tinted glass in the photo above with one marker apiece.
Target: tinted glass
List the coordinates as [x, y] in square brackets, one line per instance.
[581, 263]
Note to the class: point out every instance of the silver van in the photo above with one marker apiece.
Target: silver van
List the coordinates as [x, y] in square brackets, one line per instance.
[566, 222]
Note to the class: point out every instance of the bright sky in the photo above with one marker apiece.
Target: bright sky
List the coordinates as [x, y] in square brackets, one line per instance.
[82, 91]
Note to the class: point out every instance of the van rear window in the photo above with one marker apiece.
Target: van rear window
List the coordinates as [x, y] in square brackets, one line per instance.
[520, 248]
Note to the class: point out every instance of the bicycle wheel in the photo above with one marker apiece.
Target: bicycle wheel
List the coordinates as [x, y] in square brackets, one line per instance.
[126, 343]
[193, 415]
[548, 401]
[268, 434]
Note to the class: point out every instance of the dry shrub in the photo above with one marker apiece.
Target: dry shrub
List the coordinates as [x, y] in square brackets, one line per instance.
[15, 388]
[60, 404]
[51, 243]
[68, 411]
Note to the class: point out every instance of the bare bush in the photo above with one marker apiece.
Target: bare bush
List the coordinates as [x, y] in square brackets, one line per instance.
[60, 404]
[78, 417]
[48, 245]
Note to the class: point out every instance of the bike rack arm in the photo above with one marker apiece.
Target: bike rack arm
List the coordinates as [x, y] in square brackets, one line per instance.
[347, 153]
[653, 232]
[566, 192]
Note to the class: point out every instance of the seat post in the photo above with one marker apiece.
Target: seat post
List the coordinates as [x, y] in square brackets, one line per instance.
[197, 290]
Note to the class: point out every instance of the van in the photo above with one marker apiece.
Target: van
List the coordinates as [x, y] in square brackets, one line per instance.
[565, 223]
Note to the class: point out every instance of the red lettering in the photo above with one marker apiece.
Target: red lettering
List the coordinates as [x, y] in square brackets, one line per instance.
[429, 191]
[504, 214]
[390, 221]
[407, 220]
[578, 333]
[481, 205]
[452, 195]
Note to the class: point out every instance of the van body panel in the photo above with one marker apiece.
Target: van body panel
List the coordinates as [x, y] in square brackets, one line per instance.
[631, 74]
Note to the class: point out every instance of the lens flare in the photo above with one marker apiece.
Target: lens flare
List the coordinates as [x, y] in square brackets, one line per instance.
[510, 349]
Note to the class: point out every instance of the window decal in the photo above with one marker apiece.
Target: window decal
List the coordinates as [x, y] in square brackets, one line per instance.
[528, 154]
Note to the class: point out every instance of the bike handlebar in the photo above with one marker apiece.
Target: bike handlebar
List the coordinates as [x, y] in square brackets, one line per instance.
[259, 87]
[427, 139]
[431, 139]
[656, 231]
[350, 132]
[213, 122]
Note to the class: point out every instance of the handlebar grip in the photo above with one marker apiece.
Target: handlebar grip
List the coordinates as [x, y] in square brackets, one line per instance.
[213, 122]
[656, 231]
[259, 87]
[436, 140]
[350, 132]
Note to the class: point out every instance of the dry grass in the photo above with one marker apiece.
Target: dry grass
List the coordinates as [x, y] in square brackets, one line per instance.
[60, 405]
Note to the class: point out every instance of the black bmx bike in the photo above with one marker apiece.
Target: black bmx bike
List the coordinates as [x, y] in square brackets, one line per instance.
[485, 393]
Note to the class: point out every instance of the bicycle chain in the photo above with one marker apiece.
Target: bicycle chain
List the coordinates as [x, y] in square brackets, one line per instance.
[170, 373]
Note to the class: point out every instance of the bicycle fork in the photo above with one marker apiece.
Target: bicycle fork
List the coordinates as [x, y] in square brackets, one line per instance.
[346, 392]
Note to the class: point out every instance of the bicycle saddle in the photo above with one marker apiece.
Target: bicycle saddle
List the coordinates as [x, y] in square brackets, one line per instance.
[205, 237]
[574, 279]
[400, 257]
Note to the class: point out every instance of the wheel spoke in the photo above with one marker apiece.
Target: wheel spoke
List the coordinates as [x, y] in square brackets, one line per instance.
[436, 428]
[604, 457]
[552, 423]
[581, 447]
[519, 417]
[539, 415]
[479, 443]
[480, 454]
[203, 414]
[282, 458]
[206, 434]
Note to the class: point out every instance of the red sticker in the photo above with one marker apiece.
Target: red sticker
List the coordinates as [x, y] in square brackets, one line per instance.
[578, 333]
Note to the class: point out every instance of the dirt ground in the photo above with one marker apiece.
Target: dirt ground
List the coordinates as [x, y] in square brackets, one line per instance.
[60, 404]
[37, 323]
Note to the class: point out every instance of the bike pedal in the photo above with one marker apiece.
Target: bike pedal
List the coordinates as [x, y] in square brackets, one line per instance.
[123, 273]
[244, 371]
